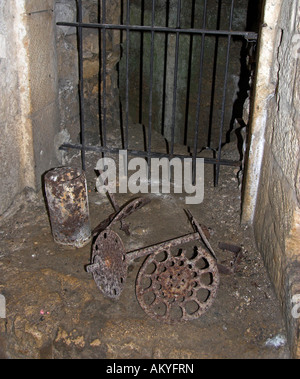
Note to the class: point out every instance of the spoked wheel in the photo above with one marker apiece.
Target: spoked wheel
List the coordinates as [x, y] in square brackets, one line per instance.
[177, 288]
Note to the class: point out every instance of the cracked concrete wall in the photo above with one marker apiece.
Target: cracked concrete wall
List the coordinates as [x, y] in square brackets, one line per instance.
[271, 201]
[28, 96]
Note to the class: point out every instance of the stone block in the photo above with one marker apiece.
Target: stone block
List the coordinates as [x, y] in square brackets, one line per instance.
[276, 218]
[42, 60]
[65, 12]
[45, 127]
[33, 6]
[11, 180]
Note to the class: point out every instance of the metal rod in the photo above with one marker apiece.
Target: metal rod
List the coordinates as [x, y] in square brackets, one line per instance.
[104, 74]
[81, 94]
[165, 71]
[41, 11]
[217, 174]
[214, 77]
[139, 153]
[175, 78]
[248, 35]
[149, 145]
[189, 72]
[131, 256]
[202, 234]
[141, 76]
[127, 77]
[199, 94]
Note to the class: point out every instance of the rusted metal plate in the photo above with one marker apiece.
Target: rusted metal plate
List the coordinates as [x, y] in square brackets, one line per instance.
[108, 264]
[67, 202]
[174, 289]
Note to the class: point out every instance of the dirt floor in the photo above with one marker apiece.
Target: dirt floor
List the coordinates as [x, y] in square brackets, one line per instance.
[55, 310]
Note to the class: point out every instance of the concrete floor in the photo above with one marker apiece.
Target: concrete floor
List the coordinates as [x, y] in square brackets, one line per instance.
[54, 309]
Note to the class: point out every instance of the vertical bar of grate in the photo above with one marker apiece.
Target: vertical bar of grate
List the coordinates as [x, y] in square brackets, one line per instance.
[199, 93]
[141, 93]
[165, 70]
[214, 76]
[175, 78]
[81, 95]
[127, 75]
[217, 174]
[104, 109]
[149, 145]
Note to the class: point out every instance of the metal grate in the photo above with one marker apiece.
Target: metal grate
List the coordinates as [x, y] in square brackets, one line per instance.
[128, 28]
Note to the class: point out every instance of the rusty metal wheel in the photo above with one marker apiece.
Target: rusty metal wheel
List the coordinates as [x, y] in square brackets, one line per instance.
[108, 264]
[177, 288]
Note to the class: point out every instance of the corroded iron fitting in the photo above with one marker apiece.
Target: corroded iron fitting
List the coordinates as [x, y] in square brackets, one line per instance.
[66, 192]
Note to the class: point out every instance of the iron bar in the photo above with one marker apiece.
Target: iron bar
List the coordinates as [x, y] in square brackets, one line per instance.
[217, 167]
[127, 76]
[145, 154]
[141, 72]
[149, 146]
[214, 77]
[39, 12]
[131, 256]
[165, 70]
[175, 79]
[199, 94]
[103, 129]
[81, 94]
[162, 29]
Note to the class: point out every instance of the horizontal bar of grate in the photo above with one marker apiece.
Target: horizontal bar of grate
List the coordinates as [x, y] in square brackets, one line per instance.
[248, 35]
[100, 149]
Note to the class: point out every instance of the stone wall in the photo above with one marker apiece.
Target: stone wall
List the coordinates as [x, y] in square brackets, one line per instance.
[271, 201]
[67, 52]
[67, 71]
[43, 86]
[10, 108]
[28, 96]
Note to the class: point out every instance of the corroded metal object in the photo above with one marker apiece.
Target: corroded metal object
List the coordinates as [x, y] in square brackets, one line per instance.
[109, 266]
[121, 214]
[110, 262]
[169, 288]
[66, 192]
[177, 288]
